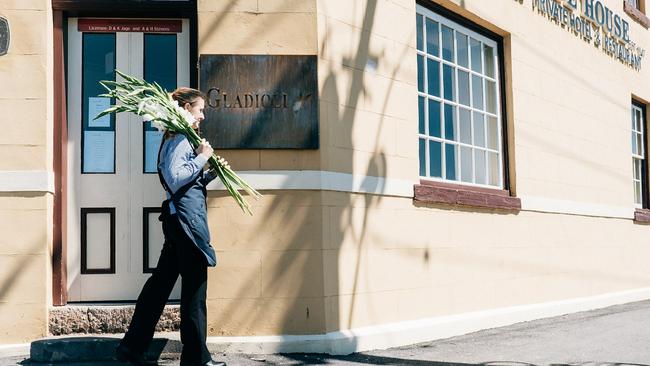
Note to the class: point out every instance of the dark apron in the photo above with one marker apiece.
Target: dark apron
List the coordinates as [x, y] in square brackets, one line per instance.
[191, 209]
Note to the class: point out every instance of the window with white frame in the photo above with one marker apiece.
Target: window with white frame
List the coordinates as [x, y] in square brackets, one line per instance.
[459, 103]
[638, 153]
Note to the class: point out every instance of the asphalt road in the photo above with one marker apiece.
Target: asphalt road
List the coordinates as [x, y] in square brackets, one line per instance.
[618, 335]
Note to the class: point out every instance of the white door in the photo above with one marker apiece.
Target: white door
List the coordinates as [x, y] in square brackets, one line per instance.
[114, 195]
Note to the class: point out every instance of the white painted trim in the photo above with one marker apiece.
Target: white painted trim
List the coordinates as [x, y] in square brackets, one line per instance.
[417, 331]
[542, 204]
[323, 180]
[14, 350]
[356, 183]
[26, 181]
[394, 334]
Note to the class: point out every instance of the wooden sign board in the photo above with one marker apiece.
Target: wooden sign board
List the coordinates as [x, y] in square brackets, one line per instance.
[260, 101]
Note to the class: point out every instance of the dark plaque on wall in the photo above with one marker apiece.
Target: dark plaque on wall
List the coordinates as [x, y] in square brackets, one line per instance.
[260, 101]
[4, 36]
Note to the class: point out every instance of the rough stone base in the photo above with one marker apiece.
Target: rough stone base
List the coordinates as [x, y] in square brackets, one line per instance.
[102, 319]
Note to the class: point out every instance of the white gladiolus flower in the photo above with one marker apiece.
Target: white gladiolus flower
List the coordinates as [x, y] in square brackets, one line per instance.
[141, 106]
[147, 117]
[159, 126]
[186, 114]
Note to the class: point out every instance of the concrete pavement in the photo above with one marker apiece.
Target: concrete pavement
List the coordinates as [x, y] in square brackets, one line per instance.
[617, 335]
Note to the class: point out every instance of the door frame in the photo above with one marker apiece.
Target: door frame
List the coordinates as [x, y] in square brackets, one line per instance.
[61, 11]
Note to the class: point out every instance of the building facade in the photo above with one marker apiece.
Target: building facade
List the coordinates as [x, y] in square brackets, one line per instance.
[478, 163]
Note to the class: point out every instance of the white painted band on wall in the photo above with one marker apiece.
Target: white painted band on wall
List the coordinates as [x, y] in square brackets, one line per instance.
[43, 181]
[323, 180]
[422, 330]
[27, 181]
[542, 204]
[343, 182]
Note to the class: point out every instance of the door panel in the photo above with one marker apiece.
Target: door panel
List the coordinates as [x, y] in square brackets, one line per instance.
[95, 186]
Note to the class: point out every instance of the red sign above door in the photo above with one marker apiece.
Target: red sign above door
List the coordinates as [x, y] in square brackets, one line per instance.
[129, 25]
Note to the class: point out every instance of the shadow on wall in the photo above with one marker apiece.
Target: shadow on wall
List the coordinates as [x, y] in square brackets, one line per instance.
[291, 277]
[30, 262]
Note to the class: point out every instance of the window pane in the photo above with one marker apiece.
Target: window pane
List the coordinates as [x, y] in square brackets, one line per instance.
[434, 119]
[421, 115]
[492, 133]
[461, 43]
[466, 164]
[489, 60]
[433, 77]
[450, 119]
[418, 31]
[634, 146]
[98, 136]
[640, 169]
[447, 43]
[423, 161]
[480, 166]
[448, 82]
[433, 45]
[160, 59]
[463, 87]
[160, 67]
[479, 129]
[639, 143]
[465, 126]
[420, 74]
[435, 159]
[493, 173]
[636, 166]
[491, 96]
[477, 92]
[450, 161]
[475, 48]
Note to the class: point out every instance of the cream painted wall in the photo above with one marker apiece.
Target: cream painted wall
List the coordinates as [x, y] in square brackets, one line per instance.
[391, 261]
[26, 144]
[270, 273]
[26, 101]
[368, 78]
[25, 280]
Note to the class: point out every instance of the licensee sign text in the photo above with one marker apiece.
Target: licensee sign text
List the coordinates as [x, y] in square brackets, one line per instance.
[130, 25]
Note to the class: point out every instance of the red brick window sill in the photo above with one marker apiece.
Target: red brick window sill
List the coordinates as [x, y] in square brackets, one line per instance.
[460, 195]
[642, 215]
[636, 14]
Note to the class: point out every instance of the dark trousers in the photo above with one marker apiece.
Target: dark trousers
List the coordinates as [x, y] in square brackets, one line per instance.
[179, 256]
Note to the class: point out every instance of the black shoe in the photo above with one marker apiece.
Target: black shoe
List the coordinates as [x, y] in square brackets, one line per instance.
[214, 363]
[124, 354]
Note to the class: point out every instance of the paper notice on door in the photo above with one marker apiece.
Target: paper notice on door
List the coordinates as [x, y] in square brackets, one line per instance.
[96, 105]
[99, 152]
[152, 144]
